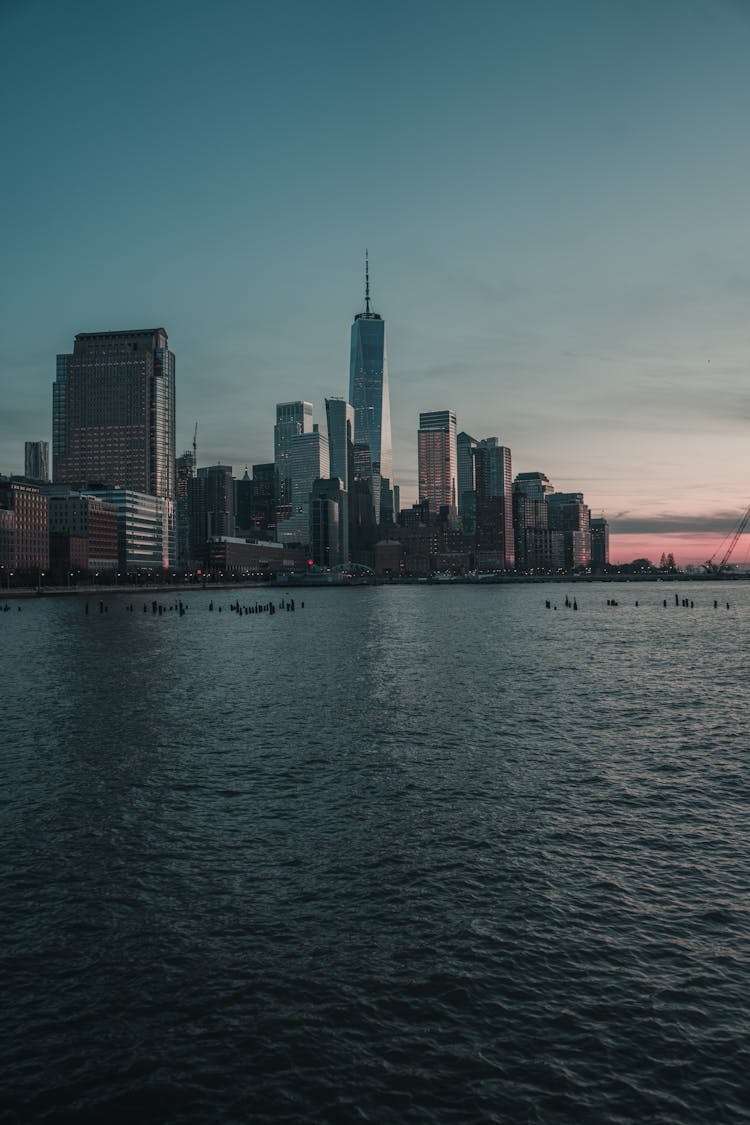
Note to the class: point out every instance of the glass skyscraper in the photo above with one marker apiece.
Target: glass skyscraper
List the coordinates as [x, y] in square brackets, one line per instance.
[114, 412]
[368, 394]
[437, 461]
[292, 419]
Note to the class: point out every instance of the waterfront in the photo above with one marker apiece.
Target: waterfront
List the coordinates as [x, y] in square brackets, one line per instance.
[406, 854]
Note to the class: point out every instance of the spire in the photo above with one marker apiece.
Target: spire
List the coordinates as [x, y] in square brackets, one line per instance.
[367, 284]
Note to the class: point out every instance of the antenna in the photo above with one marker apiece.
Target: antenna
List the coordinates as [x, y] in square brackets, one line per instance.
[195, 448]
[367, 284]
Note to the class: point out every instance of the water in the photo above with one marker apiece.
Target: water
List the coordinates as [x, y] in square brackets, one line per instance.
[407, 854]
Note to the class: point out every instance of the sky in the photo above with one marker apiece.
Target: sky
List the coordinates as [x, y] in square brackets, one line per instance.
[553, 196]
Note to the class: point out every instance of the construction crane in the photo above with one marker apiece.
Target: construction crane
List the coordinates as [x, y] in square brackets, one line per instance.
[718, 568]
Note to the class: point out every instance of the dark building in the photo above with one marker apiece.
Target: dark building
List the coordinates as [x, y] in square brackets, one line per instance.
[184, 473]
[530, 492]
[599, 529]
[83, 534]
[243, 504]
[566, 512]
[493, 505]
[329, 523]
[113, 413]
[25, 527]
[369, 396]
[210, 509]
[255, 502]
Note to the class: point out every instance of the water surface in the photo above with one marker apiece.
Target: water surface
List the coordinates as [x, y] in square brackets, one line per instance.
[420, 854]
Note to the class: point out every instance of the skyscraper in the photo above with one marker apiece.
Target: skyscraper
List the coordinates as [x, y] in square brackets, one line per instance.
[466, 482]
[494, 503]
[307, 462]
[36, 460]
[369, 395]
[292, 418]
[340, 424]
[437, 457]
[114, 412]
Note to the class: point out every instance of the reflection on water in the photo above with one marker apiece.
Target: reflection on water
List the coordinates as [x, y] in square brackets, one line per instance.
[413, 854]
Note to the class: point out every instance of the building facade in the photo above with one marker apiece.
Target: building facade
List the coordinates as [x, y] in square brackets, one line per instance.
[599, 529]
[145, 529]
[307, 462]
[25, 526]
[36, 460]
[292, 419]
[114, 413]
[437, 461]
[369, 396]
[329, 523]
[493, 477]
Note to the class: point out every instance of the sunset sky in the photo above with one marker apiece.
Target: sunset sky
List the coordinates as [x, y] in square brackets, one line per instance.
[554, 197]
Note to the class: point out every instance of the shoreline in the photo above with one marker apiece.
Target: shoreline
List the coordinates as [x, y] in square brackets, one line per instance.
[304, 582]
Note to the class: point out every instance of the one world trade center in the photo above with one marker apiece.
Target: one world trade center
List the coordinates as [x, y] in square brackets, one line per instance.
[368, 394]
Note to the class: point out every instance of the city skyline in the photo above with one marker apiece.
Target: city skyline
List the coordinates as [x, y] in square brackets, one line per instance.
[572, 279]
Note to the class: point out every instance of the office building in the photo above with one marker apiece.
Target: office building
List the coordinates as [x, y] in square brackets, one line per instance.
[307, 462]
[340, 425]
[599, 529]
[36, 460]
[114, 413]
[292, 419]
[437, 461]
[83, 535]
[370, 398]
[184, 473]
[329, 520]
[25, 527]
[465, 446]
[567, 513]
[145, 529]
[530, 492]
[263, 508]
[493, 514]
[210, 507]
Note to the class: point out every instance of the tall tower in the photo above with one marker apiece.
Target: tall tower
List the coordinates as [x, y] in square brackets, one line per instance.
[340, 425]
[368, 394]
[292, 418]
[308, 462]
[494, 502]
[114, 412]
[437, 457]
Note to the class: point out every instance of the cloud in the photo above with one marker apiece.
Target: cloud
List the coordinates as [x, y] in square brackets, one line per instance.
[721, 523]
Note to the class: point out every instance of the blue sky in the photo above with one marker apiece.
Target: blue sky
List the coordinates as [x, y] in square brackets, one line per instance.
[554, 197]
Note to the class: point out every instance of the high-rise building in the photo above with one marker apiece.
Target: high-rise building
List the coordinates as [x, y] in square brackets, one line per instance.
[219, 499]
[329, 537]
[184, 473]
[36, 460]
[494, 505]
[530, 492]
[370, 398]
[599, 529]
[243, 503]
[263, 509]
[292, 419]
[340, 424]
[437, 458]
[567, 512]
[466, 482]
[306, 463]
[114, 413]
